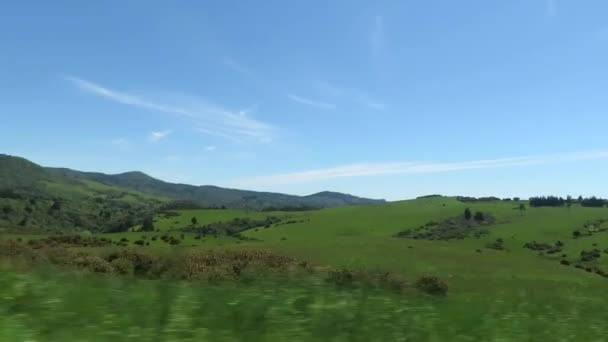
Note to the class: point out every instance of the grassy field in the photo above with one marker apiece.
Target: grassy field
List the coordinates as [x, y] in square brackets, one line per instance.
[206, 216]
[509, 295]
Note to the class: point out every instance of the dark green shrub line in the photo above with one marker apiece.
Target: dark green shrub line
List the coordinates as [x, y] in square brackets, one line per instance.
[467, 225]
[233, 226]
[212, 265]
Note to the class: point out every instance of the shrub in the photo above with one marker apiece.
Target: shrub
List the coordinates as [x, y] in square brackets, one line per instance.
[142, 263]
[497, 245]
[341, 277]
[590, 255]
[467, 214]
[479, 217]
[432, 285]
[93, 264]
[123, 265]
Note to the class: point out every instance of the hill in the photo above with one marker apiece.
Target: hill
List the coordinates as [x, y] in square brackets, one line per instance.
[37, 198]
[213, 196]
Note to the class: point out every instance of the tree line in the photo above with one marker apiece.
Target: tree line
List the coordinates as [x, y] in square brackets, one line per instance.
[555, 201]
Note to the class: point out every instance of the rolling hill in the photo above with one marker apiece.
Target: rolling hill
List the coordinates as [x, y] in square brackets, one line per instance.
[33, 196]
[213, 196]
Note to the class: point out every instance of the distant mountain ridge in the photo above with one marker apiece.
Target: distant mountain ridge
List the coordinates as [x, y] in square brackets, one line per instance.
[19, 172]
[210, 195]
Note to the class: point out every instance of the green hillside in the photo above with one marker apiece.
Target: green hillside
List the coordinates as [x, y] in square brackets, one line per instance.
[213, 196]
[506, 291]
[34, 198]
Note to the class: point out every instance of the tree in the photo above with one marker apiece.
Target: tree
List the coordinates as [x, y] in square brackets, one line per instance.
[7, 209]
[522, 207]
[148, 224]
[467, 214]
[479, 217]
[56, 205]
[516, 199]
[194, 221]
[593, 202]
[580, 199]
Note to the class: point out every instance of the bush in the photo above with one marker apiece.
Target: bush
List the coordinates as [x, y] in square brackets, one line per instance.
[93, 264]
[479, 217]
[123, 266]
[341, 277]
[590, 255]
[142, 263]
[497, 245]
[467, 214]
[432, 285]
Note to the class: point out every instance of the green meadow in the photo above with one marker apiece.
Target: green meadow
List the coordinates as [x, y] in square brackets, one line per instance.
[507, 294]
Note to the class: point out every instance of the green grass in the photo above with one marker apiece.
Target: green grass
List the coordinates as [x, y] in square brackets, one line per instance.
[46, 306]
[206, 216]
[507, 295]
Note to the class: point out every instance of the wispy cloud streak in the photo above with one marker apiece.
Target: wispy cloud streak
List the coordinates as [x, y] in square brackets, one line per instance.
[350, 94]
[236, 66]
[158, 136]
[204, 116]
[378, 36]
[309, 102]
[371, 169]
[119, 141]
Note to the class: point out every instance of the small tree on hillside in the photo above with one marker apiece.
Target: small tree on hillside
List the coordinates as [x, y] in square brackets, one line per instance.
[479, 217]
[467, 214]
[194, 221]
[522, 207]
[148, 224]
[56, 205]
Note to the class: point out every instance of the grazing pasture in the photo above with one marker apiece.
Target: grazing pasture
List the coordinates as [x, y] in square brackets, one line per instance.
[351, 276]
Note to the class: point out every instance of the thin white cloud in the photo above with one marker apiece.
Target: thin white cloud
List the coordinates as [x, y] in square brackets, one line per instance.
[158, 136]
[329, 88]
[551, 8]
[370, 169]
[378, 36]
[119, 142]
[202, 115]
[210, 148]
[310, 102]
[350, 94]
[236, 66]
[371, 103]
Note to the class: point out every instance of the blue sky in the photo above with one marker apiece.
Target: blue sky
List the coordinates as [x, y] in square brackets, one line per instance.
[387, 99]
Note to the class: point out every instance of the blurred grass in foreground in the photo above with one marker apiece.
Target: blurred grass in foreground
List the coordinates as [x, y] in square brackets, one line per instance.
[51, 306]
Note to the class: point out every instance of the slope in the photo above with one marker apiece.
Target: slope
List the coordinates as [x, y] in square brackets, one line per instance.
[213, 196]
